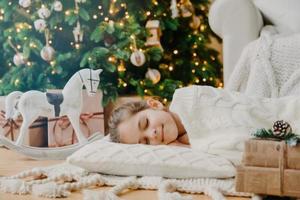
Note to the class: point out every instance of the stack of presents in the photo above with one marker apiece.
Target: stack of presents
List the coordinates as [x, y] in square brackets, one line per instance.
[270, 168]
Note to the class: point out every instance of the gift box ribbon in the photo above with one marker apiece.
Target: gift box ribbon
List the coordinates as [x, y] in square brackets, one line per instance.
[63, 122]
[15, 124]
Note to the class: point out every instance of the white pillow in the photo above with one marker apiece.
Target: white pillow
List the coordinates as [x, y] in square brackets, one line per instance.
[284, 14]
[147, 160]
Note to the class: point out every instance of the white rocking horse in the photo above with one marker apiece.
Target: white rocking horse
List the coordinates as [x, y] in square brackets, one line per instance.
[33, 104]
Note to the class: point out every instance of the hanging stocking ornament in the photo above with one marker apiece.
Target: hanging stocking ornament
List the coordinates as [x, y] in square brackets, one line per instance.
[153, 75]
[174, 9]
[186, 8]
[137, 58]
[44, 13]
[47, 53]
[155, 33]
[25, 3]
[19, 58]
[78, 33]
[57, 6]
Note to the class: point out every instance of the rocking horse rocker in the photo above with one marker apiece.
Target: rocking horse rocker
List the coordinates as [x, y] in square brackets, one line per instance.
[33, 104]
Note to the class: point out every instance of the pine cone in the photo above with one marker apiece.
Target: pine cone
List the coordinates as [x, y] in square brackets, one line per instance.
[281, 128]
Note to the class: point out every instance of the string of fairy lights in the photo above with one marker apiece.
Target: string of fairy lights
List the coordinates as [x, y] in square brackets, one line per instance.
[198, 64]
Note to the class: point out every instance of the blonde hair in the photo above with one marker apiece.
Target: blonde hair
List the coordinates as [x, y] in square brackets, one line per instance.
[122, 112]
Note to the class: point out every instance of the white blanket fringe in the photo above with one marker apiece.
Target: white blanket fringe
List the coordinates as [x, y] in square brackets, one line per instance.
[60, 180]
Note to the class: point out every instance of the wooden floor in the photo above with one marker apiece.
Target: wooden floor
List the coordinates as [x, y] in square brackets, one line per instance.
[12, 163]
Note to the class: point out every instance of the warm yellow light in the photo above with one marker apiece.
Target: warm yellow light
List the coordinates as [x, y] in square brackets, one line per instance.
[142, 82]
[171, 68]
[111, 59]
[194, 54]
[127, 16]
[1, 17]
[18, 47]
[124, 84]
[203, 69]
[148, 13]
[50, 41]
[60, 28]
[2, 11]
[205, 62]
[77, 46]
[211, 78]
[106, 19]
[28, 11]
[165, 100]
[53, 72]
[197, 63]
[9, 64]
[121, 24]
[17, 81]
[111, 11]
[193, 71]
[90, 58]
[204, 79]
[99, 7]
[101, 14]
[197, 80]
[123, 5]
[18, 30]
[67, 12]
[52, 63]
[175, 51]
[145, 90]
[9, 37]
[71, 43]
[29, 63]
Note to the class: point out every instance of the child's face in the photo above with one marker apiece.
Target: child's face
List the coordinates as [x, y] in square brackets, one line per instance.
[150, 126]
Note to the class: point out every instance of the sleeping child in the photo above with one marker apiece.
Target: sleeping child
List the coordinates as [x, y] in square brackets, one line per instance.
[216, 121]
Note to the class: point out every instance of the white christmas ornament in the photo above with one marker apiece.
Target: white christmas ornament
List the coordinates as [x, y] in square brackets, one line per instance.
[25, 3]
[153, 75]
[47, 53]
[19, 59]
[44, 13]
[40, 24]
[78, 33]
[174, 9]
[138, 58]
[57, 6]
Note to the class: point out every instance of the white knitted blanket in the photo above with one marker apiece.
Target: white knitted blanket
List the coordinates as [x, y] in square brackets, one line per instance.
[60, 180]
[268, 66]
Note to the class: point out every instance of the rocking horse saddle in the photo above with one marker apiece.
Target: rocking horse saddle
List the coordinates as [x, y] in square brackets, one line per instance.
[55, 99]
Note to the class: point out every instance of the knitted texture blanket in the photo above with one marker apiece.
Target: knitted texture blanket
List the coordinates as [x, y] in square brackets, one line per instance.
[60, 180]
[268, 66]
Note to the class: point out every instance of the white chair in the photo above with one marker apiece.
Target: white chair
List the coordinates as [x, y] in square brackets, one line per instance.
[239, 22]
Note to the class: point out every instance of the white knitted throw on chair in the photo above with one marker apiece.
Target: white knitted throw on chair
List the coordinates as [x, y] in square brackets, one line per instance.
[268, 66]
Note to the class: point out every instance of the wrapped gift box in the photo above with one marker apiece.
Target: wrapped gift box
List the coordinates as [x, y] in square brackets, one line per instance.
[269, 167]
[60, 130]
[36, 137]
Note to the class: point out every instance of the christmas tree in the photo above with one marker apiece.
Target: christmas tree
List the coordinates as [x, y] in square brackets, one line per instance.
[145, 47]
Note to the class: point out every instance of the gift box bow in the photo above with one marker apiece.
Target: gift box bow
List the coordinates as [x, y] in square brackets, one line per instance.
[63, 122]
